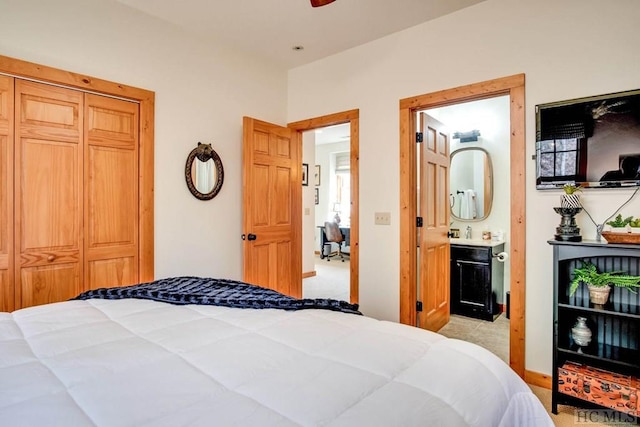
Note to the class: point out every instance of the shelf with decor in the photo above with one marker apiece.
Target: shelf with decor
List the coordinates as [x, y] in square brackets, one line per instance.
[596, 346]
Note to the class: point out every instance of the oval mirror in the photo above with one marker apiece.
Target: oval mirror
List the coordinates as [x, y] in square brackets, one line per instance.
[470, 184]
[203, 172]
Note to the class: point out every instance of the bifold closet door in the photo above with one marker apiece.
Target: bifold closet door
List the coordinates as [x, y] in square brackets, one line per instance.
[6, 194]
[111, 192]
[48, 193]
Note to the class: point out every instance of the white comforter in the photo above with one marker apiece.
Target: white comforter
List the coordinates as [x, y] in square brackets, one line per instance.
[145, 363]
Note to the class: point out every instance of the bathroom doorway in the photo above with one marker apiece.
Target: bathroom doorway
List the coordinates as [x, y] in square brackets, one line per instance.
[514, 87]
[479, 204]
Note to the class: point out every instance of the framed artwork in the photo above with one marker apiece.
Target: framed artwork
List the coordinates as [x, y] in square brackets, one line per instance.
[317, 197]
[316, 176]
[305, 174]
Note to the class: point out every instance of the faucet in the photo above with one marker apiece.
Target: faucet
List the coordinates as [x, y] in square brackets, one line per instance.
[467, 234]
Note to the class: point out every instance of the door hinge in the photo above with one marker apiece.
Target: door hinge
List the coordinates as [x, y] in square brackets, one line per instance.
[419, 221]
[419, 137]
[418, 306]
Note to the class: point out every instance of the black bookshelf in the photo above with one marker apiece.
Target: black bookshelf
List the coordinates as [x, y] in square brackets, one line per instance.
[615, 327]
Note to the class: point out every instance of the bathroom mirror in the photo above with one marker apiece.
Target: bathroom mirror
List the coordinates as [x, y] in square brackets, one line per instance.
[203, 172]
[470, 184]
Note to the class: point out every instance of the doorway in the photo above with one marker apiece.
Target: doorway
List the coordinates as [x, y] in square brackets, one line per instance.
[351, 118]
[478, 201]
[326, 199]
[512, 86]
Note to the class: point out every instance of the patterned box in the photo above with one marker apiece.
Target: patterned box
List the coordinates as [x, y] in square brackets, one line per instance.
[608, 389]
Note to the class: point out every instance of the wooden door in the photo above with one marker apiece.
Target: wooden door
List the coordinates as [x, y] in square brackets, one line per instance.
[6, 194]
[272, 207]
[433, 287]
[110, 192]
[48, 197]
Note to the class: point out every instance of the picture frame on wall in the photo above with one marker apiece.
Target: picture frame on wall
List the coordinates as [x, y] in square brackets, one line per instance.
[316, 176]
[317, 196]
[305, 174]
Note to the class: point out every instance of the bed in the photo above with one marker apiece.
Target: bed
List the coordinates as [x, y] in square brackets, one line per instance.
[126, 357]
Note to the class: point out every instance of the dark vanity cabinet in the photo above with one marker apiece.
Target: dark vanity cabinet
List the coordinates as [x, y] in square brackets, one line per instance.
[477, 280]
[603, 370]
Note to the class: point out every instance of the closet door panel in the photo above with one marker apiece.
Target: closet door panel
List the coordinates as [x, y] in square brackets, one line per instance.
[49, 283]
[49, 112]
[111, 185]
[120, 271]
[6, 194]
[50, 191]
[49, 202]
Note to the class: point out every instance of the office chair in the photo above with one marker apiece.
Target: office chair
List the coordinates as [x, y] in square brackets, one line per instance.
[334, 235]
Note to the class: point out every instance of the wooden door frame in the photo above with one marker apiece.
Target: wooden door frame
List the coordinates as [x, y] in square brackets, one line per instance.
[353, 118]
[146, 100]
[513, 86]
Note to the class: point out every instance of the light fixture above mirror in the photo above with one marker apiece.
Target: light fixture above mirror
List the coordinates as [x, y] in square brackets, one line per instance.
[470, 136]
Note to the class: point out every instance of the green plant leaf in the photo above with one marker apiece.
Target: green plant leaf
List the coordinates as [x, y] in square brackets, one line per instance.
[618, 221]
[588, 274]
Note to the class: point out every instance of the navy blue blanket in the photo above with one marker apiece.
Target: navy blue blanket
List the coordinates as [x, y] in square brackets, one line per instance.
[222, 292]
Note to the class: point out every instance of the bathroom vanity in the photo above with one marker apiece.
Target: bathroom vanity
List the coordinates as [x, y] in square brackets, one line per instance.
[477, 278]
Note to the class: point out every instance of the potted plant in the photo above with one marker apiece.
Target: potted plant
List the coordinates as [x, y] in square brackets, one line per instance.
[599, 283]
[634, 225]
[619, 224]
[570, 198]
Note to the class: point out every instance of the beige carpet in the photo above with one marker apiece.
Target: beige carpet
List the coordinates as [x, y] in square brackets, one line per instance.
[331, 280]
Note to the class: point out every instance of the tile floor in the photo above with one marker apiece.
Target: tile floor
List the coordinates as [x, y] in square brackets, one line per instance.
[494, 336]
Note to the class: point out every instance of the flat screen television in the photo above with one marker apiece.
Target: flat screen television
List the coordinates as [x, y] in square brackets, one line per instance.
[592, 141]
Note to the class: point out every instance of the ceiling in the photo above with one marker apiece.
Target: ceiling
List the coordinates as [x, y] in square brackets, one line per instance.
[271, 28]
[331, 134]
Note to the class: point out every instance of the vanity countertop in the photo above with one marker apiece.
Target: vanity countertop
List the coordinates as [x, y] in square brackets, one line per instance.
[475, 242]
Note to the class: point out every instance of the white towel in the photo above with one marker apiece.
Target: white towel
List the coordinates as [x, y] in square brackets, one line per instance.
[468, 208]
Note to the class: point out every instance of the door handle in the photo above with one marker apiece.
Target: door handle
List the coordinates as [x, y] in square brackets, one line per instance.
[250, 236]
[450, 234]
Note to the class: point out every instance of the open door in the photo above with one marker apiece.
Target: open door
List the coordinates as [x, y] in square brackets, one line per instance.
[434, 254]
[272, 207]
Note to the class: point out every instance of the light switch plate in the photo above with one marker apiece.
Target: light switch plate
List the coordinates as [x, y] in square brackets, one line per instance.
[382, 218]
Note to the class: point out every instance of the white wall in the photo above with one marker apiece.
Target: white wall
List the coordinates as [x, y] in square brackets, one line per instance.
[202, 93]
[567, 49]
[309, 240]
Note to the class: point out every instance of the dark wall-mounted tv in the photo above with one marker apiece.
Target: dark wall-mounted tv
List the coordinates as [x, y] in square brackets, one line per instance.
[592, 141]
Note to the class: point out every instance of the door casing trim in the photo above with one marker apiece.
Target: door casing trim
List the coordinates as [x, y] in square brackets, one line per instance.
[514, 87]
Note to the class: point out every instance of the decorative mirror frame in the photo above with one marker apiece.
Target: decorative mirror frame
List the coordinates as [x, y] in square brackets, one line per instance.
[204, 152]
[490, 165]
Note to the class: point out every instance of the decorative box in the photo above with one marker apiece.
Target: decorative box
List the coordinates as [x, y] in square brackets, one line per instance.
[608, 389]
